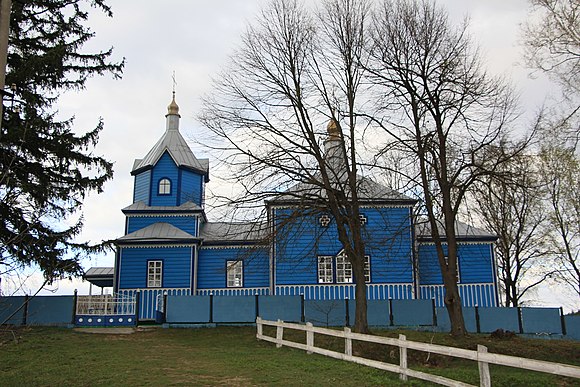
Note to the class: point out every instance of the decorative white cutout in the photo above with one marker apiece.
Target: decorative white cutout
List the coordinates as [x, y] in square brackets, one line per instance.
[324, 220]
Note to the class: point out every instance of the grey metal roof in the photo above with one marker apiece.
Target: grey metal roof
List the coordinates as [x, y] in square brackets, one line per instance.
[180, 152]
[157, 232]
[462, 230]
[100, 276]
[141, 206]
[230, 232]
[368, 190]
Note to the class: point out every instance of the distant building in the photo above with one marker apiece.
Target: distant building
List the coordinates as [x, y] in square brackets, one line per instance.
[170, 247]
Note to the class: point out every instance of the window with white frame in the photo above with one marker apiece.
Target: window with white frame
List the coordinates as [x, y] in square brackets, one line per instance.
[325, 269]
[235, 274]
[154, 274]
[164, 186]
[367, 268]
[343, 269]
[456, 268]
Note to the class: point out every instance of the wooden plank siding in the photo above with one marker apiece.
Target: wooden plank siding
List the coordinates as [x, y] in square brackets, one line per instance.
[191, 189]
[475, 263]
[211, 267]
[142, 187]
[165, 168]
[176, 266]
[387, 237]
[185, 223]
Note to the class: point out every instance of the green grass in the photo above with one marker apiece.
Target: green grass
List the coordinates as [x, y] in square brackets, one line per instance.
[232, 356]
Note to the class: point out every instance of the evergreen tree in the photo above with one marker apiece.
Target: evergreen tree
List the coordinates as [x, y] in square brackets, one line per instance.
[45, 168]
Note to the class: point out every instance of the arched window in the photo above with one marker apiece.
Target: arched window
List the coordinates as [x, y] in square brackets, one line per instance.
[165, 186]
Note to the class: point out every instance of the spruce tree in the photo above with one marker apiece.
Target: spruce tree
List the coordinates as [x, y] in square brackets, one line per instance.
[46, 168]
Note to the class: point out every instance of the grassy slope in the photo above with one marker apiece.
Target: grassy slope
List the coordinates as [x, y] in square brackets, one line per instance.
[232, 356]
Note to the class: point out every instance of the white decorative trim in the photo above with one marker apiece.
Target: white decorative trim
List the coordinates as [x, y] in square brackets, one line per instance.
[346, 291]
[261, 291]
[459, 241]
[131, 246]
[151, 300]
[471, 294]
[163, 215]
[220, 247]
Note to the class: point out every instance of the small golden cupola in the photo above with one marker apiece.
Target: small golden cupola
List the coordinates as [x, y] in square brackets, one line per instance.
[173, 108]
[172, 116]
[332, 128]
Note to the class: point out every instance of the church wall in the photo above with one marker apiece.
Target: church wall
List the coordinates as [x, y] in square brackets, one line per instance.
[176, 271]
[475, 263]
[185, 223]
[191, 188]
[142, 187]
[387, 237]
[165, 167]
[211, 266]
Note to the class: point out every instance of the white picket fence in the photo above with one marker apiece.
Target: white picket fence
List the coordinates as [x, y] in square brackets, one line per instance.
[481, 356]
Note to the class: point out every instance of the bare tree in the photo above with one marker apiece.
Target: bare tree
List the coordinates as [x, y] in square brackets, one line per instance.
[510, 204]
[296, 71]
[552, 41]
[439, 105]
[560, 167]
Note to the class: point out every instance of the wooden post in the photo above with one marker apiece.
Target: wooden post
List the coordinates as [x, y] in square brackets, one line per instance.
[309, 338]
[403, 357]
[74, 308]
[260, 328]
[484, 376]
[279, 333]
[347, 342]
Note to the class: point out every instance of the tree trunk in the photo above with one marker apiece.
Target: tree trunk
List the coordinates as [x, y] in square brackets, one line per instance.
[453, 305]
[360, 316]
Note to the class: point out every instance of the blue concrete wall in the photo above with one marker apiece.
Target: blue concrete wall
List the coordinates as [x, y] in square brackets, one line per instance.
[53, 310]
[211, 266]
[325, 312]
[176, 266]
[412, 312]
[572, 327]
[285, 308]
[469, 318]
[541, 320]
[185, 223]
[377, 312]
[234, 309]
[8, 305]
[491, 319]
[188, 309]
[165, 168]
[475, 263]
[142, 187]
[387, 238]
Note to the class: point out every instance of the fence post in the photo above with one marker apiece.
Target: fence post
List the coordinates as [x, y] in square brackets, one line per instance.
[347, 342]
[309, 338]
[25, 311]
[137, 306]
[259, 327]
[74, 308]
[279, 333]
[562, 321]
[484, 376]
[403, 357]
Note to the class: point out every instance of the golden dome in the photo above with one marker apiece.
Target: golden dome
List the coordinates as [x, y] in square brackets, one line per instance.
[173, 108]
[333, 130]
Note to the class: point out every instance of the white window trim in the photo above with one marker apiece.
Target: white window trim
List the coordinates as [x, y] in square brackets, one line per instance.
[235, 274]
[155, 274]
[166, 186]
[457, 271]
[325, 269]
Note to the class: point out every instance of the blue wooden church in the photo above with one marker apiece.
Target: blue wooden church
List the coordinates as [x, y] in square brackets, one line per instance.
[170, 247]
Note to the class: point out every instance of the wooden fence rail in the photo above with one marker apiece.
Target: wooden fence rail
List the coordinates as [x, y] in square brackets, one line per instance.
[481, 356]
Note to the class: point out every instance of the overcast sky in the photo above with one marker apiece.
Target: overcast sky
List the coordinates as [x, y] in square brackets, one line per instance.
[195, 39]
